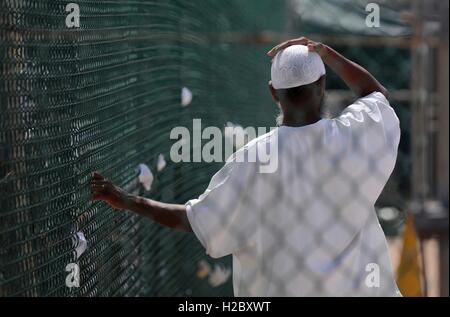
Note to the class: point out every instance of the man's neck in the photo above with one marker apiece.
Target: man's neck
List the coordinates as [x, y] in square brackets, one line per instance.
[300, 120]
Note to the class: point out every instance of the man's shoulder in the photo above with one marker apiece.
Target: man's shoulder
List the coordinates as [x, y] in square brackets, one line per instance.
[374, 107]
[375, 96]
[254, 146]
[262, 139]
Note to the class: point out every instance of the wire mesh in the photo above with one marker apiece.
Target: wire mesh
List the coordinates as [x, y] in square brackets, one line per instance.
[105, 97]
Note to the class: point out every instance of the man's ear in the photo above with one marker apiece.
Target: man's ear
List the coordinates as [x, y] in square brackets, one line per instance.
[273, 93]
[322, 84]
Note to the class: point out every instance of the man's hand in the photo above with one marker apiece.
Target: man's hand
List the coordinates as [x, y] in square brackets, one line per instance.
[169, 215]
[317, 47]
[358, 79]
[104, 190]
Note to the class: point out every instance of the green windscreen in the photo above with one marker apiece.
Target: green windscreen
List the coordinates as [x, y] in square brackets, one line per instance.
[104, 97]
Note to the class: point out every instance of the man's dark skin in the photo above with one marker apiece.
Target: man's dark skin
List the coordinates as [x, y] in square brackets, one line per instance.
[300, 106]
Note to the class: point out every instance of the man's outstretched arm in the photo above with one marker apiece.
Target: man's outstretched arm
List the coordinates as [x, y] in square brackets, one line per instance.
[170, 215]
[358, 79]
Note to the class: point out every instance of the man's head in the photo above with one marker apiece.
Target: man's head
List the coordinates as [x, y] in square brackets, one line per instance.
[298, 84]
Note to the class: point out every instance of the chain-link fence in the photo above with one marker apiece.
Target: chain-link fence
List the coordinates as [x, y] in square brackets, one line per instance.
[106, 95]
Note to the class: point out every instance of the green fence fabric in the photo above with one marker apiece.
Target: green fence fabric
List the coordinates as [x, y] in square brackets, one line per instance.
[345, 17]
[105, 97]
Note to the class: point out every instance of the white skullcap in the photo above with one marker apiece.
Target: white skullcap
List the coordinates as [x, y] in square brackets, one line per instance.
[296, 66]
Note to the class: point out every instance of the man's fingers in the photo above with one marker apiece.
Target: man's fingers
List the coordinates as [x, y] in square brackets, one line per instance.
[279, 47]
[97, 175]
[99, 182]
[100, 192]
[282, 46]
[300, 41]
[275, 50]
[314, 47]
[99, 188]
[98, 197]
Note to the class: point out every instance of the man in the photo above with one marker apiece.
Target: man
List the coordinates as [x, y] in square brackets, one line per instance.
[309, 228]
